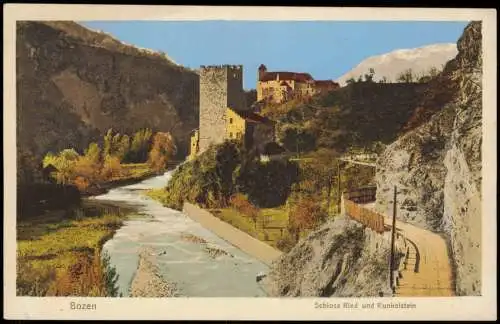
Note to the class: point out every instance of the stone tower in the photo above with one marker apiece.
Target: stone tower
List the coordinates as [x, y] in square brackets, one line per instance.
[220, 87]
[261, 72]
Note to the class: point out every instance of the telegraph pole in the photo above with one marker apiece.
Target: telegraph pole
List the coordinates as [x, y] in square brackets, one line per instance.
[329, 190]
[393, 239]
[338, 187]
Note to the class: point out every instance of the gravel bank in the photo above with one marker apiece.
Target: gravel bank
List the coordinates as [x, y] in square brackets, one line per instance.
[148, 281]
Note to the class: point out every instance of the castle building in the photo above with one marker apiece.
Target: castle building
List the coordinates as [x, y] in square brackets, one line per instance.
[224, 113]
[279, 87]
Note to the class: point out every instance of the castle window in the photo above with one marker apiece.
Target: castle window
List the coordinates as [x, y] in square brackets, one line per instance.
[231, 135]
[230, 120]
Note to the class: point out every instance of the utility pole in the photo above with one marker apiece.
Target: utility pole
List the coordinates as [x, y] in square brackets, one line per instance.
[339, 198]
[393, 239]
[329, 191]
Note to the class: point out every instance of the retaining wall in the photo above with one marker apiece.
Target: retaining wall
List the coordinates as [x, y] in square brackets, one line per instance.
[236, 237]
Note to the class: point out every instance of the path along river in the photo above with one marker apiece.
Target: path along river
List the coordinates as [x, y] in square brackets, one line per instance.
[184, 263]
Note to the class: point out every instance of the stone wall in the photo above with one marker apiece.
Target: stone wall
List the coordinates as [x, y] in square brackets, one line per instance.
[246, 243]
[220, 87]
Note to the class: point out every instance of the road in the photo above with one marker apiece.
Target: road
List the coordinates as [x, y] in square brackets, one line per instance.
[370, 164]
[434, 276]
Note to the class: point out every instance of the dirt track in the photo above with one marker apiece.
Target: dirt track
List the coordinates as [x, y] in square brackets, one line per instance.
[434, 276]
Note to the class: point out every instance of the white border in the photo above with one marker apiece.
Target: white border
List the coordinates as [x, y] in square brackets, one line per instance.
[461, 308]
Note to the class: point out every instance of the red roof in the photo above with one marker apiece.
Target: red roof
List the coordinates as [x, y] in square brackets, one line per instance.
[300, 77]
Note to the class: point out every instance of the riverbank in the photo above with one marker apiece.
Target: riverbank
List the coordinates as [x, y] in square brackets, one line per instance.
[248, 244]
[188, 256]
[59, 253]
[103, 187]
[148, 281]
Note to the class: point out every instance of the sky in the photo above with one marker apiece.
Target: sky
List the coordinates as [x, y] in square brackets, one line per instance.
[325, 49]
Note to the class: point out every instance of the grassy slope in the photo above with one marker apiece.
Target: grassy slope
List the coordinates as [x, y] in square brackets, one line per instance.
[59, 256]
[278, 219]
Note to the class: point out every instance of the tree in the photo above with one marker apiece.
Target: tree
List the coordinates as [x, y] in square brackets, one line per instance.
[370, 75]
[111, 168]
[163, 149]
[407, 76]
[64, 162]
[140, 146]
[87, 167]
[306, 214]
[93, 153]
[29, 170]
[350, 81]
[429, 75]
[108, 138]
[240, 202]
[122, 147]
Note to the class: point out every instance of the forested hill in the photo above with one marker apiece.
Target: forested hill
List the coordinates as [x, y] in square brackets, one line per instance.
[357, 115]
[73, 84]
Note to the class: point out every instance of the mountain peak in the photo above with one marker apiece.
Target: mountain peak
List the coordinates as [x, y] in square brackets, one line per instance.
[391, 64]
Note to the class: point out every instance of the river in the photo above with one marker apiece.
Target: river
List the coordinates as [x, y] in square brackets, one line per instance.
[186, 264]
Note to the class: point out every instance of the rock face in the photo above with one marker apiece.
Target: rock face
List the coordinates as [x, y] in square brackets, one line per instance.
[437, 166]
[73, 84]
[341, 259]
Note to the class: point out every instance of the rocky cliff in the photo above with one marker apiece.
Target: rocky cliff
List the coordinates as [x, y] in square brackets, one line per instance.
[341, 259]
[437, 165]
[74, 83]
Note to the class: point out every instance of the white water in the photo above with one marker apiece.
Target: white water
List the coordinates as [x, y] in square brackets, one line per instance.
[184, 263]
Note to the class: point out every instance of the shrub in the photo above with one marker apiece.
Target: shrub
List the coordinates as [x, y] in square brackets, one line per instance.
[112, 168]
[306, 214]
[163, 149]
[89, 276]
[207, 180]
[241, 204]
[286, 243]
[267, 184]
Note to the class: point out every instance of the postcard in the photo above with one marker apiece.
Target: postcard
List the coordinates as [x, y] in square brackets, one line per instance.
[184, 162]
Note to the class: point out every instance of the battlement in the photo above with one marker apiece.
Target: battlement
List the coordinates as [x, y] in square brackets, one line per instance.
[221, 67]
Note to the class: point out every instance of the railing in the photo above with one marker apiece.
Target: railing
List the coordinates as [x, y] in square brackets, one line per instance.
[363, 215]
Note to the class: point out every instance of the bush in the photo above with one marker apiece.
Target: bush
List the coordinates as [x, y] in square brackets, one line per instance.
[286, 243]
[267, 184]
[217, 174]
[89, 276]
[207, 180]
[306, 214]
[241, 204]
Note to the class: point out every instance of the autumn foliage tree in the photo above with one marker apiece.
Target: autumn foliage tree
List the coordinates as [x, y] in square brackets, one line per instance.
[162, 150]
[139, 146]
[305, 215]
[240, 202]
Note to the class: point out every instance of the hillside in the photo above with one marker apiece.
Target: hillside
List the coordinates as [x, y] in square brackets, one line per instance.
[378, 111]
[437, 165]
[391, 64]
[73, 84]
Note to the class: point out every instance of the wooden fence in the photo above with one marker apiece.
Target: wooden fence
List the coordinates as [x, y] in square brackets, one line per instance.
[352, 206]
